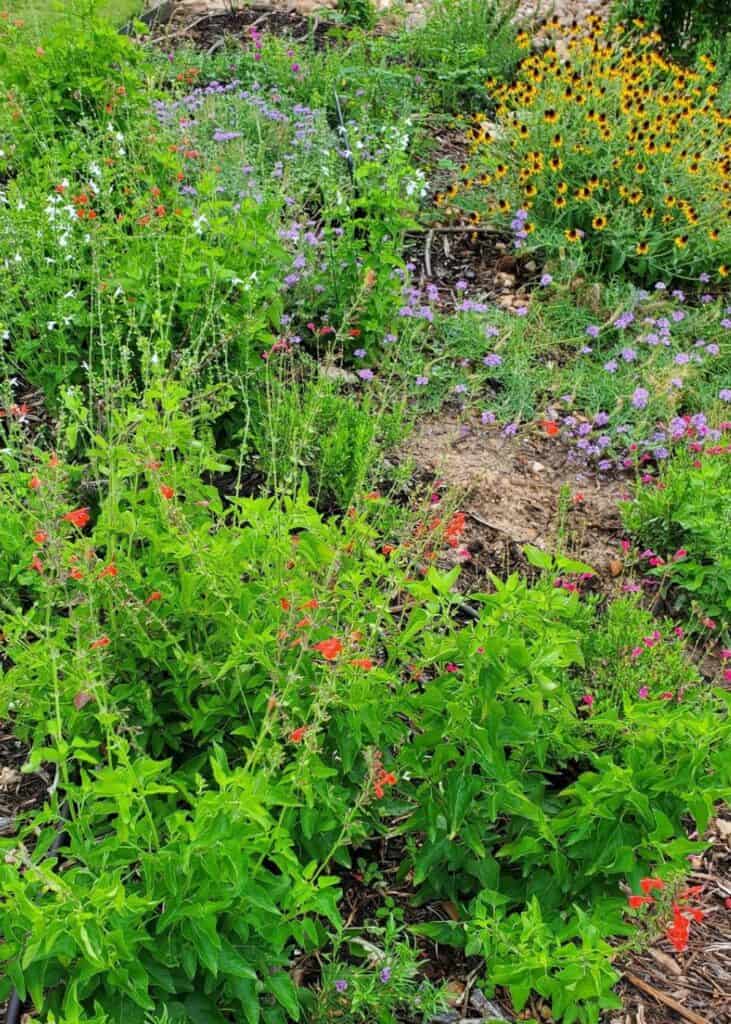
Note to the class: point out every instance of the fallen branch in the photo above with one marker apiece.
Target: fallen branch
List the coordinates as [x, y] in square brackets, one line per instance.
[645, 986]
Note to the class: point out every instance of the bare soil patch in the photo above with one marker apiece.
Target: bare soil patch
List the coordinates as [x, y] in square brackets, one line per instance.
[522, 490]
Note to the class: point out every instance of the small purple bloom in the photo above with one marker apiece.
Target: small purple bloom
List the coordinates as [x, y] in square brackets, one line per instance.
[487, 417]
[421, 381]
[660, 286]
[492, 359]
[640, 397]
[510, 429]
[676, 382]
[611, 366]
[459, 389]
[546, 279]
[704, 278]
[725, 394]
[629, 355]
[585, 350]
[341, 985]
[360, 353]
[712, 349]
[624, 320]
[491, 331]
[461, 286]
[365, 374]
[682, 358]
[385, 975]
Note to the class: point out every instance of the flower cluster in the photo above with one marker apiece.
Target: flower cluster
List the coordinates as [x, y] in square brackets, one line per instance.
[616, 151]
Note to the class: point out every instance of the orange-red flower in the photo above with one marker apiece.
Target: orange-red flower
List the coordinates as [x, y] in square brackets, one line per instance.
[103, 641]
[109, 570]
[365, 663]
[284, 604]
[638, 901]
[298, 734]
[649, 884]
[383, 778]
[34, 483]
[154, 596]
[36, 564]
[550, 427]
[167, 492]
[312, 603]
[78, 517]
[329, 649]
[40, 536]
[76, 574]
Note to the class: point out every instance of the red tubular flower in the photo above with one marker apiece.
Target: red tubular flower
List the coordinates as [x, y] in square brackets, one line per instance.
[154, 596]
[40, 536]
[76, 574]
[648, 884]
[298, 734]
[109, 570]
[96, 645]
[79, 517]
[365, 663]
[550, 427]
[638, 901]
[34, 483]
[329, 649]
[284, 604]
[36, 564]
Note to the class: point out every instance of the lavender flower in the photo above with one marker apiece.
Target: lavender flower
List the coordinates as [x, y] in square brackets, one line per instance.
[593, 331]
[725, 394]
[492, 359]
[385, 975]
[629, 355]
[421, 381]
[341, 985]
[640, 397]
[611, 366]
[545, 280]
[624, 320]
[365, 374]
[360, 353]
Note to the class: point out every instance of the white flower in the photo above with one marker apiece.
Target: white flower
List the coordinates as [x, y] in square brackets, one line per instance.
[51, 325]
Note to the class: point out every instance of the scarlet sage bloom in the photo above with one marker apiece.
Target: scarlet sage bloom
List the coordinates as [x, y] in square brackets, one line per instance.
[383, 778]
[154, 596]
[109, 570]
[298, 734]
[329, 649]
[649, 884]
[34, 483]
[167, 492]
[36, 564]
[40, 536]
[365, 663]
[79, 517]
[284, 604]
[638, 901]
[103, 641]
[550, 427]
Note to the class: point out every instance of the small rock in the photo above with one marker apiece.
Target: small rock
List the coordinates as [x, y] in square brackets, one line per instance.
[537, 467]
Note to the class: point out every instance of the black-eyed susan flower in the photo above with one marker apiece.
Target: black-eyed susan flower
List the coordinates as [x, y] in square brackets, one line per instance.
[642, 248]
[681, 241]
[573, 235]
[599, 222]
[723, 270]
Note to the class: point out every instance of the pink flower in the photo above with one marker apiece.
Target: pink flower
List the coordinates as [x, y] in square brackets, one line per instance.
[680, 553]
[725, 653]
[625, 546]
[644, 692]
[588, 698]
[679, 632]
[636, 652]
[451, 667]
[727, 675]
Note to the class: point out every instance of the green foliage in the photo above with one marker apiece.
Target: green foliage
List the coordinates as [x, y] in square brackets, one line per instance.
[459, 45]
[244, 662]
[684, 27]
[685, 517]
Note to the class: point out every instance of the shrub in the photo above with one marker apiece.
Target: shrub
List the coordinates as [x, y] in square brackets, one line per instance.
[684, 517]
[616, 156]
[684, 27]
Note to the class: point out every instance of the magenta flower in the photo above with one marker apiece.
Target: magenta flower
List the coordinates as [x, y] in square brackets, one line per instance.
[643, 692]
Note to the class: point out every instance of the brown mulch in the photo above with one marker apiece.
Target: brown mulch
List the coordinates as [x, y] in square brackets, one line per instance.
[207, 27]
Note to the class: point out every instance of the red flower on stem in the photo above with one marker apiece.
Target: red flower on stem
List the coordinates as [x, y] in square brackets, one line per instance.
[329, 649]
[298, 734]
[154, 596]
[638, 901]
[649, 884]
[79, 517]
[109, 570]
[103, 641]
[167, 492]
